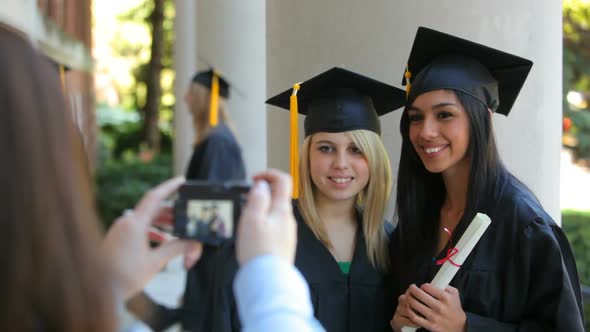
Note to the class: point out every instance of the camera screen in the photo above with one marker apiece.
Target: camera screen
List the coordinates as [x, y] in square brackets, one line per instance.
[208, 212]
[209, 218]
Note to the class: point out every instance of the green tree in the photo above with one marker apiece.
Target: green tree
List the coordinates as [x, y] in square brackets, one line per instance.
[151, 111]
[576, 74]
[152, 93]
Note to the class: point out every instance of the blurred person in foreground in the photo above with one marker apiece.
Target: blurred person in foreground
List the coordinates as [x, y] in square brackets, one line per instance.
[55, 274]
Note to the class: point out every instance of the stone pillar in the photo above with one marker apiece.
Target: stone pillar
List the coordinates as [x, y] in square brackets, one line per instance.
[185, 63]
[231, 38]
[308, 36]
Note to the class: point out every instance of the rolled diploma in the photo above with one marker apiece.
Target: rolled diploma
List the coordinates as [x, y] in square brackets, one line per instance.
[447, 272]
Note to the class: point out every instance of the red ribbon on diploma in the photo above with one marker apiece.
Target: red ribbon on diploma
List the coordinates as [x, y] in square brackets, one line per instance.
[450, 253]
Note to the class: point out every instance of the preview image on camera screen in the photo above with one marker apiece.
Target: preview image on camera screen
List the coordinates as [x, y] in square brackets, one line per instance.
[209, 218]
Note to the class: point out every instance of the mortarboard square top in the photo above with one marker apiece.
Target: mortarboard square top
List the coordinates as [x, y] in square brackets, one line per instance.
[205, 77]
[339, 100]
[442, 61]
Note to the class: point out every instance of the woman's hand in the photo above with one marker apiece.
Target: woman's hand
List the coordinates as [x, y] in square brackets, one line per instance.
[431, 308]
[267, 225]
[402, 313]
[126, 244]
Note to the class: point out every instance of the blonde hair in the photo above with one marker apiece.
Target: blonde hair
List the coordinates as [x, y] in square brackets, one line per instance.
[373, 198]
[199, 108]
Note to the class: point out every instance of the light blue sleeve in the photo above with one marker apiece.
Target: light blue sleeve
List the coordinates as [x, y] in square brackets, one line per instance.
[272, 295]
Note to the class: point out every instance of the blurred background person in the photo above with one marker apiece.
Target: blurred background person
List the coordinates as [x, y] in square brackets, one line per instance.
[217, 156]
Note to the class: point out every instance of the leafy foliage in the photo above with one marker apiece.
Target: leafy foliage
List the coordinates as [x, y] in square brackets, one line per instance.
[576, 225]
[576, 73]
[121, 183]
[581, 131]
[120, 134]
[126, 168]
[135, 97]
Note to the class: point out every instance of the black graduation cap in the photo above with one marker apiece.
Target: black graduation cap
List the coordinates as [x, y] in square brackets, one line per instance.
[336, 100]
[339, 100]
[205, 78]
[219, 87]
[442, 61]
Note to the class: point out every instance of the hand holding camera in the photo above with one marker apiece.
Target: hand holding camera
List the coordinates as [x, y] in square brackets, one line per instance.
[211, 212]
[126, 245]
[267, 224]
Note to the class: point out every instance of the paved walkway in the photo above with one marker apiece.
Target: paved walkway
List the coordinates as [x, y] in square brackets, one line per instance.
[166, 288]
[574, 184]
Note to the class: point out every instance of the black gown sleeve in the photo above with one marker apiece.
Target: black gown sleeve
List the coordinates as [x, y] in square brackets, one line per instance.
[543, 269]
[198, 280]
[220, 312]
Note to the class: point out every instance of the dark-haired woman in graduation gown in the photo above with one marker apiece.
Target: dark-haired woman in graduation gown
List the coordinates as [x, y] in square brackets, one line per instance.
[217, 156]
[521, 275]
[343, 189]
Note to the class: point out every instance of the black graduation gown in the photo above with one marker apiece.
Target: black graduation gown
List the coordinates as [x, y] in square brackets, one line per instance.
[217, 158]
[355, 302]
[521, 276]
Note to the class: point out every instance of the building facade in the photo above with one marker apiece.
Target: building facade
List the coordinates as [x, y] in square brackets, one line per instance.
[62, 31]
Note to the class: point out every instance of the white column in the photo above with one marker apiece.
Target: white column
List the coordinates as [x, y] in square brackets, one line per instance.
[306, 37]
[231, 37]
[185, 64]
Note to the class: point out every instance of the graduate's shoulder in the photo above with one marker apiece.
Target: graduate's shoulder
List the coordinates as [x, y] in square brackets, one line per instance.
[297, 214]
[521, 208]
[220, 142]
[221, 134]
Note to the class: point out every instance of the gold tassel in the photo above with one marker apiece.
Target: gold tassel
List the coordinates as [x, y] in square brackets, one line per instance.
[62, 78]
[408, 76]
[214, 103]
[294, 156]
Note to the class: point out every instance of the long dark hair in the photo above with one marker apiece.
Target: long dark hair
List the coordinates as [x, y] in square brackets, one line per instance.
[420, 193]
[52, 275]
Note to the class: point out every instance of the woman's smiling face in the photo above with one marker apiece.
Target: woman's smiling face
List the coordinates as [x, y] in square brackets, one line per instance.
[439, 130]
[338, 168]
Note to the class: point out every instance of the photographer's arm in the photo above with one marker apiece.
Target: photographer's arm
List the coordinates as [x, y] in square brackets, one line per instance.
[272, 296]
